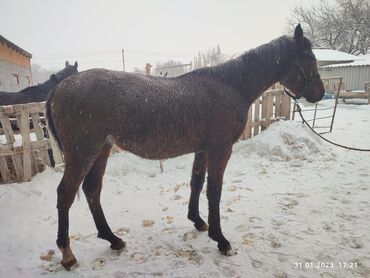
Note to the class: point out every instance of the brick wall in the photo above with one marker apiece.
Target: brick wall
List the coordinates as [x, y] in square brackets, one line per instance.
[13, 78]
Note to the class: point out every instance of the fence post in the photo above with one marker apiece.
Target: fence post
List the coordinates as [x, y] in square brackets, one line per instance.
[248, 127]
[26, 142]
[367, 89]
[256, 121]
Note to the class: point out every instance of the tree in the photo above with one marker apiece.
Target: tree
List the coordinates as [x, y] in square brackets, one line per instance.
[171, 68]
[210, 58]
[343, 25]
[40, 74]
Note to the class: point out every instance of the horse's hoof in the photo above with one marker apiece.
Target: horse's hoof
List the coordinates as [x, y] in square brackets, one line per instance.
[69, 264]
[201, 228]
[228, 251]
[119, 245]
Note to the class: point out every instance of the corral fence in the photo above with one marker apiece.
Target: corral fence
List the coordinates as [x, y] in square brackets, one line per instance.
[24, 144]
[273, 105]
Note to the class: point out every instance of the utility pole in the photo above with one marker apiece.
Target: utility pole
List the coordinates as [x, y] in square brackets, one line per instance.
[123, 60]
[148, 68]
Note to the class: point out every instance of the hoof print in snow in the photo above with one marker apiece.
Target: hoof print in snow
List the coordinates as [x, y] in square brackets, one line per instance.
[274, 240]
[189, 236]
[121, 231]
[139, 257]
[97, 264]
[190, 254]
[47, 256]
[148, 223]
[256, 263]
[168, 219]
[356, 243]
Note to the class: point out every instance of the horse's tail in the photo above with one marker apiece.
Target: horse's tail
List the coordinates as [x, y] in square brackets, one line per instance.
[49, 119]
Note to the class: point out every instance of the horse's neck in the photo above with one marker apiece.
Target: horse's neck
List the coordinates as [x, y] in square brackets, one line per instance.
[48, 85]
[264, 66]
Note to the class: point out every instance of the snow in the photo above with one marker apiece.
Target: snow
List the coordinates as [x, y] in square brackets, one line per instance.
[289, 199]
[357, 63]
[331, 55]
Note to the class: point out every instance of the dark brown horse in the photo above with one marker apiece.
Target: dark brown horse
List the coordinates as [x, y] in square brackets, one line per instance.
[38, 92]
[202, 112]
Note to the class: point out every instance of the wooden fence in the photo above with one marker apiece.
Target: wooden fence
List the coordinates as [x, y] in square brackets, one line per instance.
[356, 95]
[273, 105]
[23, 142]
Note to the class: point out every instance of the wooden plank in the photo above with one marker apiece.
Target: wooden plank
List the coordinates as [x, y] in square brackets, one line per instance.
[367, 89]
[266, 110]
[351, 95]
[257, 104]
[4, 170]
[39, 136]
[247, 130]
[18, 167]
[9, 150]
[26, 142]
[6, 110]
[278, 106]
[36, 126]
[286, 107]
[15, 110]
[57, 155]
[269, 108]
[8, 131]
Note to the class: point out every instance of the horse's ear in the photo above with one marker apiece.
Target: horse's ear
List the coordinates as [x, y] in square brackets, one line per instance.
[76, 65]
[298, 33]
[67, 63]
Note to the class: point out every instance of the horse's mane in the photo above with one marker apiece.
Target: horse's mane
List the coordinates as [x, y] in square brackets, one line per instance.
[235, 70]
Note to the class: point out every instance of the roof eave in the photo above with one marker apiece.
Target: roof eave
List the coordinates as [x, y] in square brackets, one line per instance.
[15, 47]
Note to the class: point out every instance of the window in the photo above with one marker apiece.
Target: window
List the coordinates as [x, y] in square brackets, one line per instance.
[16, 78]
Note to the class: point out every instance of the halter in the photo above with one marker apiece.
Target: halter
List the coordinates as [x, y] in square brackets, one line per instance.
[307, 80]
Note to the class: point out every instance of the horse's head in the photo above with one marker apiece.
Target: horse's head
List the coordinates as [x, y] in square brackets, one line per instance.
[303, 78]
[67, 71]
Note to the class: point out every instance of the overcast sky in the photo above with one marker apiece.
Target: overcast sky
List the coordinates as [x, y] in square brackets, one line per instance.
[94, 32]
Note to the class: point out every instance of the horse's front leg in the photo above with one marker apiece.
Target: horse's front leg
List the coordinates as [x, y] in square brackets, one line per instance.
[217, 163]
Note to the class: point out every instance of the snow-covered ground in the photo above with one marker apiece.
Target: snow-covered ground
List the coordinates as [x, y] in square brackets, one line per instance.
[292, 206]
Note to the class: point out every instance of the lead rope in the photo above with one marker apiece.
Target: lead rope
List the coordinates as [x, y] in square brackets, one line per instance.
[299, 110]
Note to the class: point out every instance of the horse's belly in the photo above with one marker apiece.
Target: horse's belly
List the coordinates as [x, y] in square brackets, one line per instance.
[158, 150]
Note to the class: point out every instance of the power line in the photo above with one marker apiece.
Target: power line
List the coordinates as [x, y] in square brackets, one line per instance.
[112, 51]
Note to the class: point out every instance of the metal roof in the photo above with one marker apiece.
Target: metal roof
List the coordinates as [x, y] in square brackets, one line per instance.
[15, 47]
[331, 55]
[360, 61]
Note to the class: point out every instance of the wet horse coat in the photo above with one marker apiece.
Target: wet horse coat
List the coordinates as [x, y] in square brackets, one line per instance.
[204, 111]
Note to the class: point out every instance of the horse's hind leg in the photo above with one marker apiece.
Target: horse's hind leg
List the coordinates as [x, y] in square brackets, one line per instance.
[196, 183]
[67, 189]
[92, 187]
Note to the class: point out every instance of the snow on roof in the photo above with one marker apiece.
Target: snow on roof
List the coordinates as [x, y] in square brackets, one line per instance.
[331, 55]
[360, 61]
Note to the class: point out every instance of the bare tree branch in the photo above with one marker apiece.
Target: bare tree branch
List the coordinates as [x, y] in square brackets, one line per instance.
[344, 25]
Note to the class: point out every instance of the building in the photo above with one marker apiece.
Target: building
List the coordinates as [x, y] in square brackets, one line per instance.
[354, 75]
[15, 67]
[326, 57]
